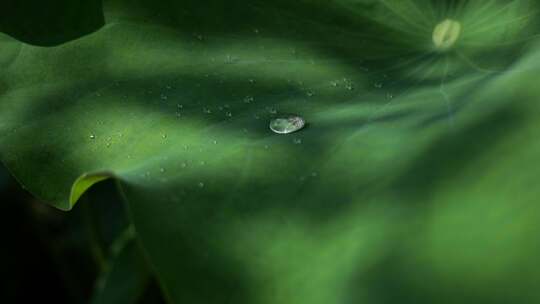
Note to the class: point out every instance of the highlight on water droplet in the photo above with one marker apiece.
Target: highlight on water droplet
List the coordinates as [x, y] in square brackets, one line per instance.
[92, 136]
[446, 34]
[287, 124]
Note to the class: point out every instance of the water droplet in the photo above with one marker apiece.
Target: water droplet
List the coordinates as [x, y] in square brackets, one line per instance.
[202, 162]
[200, 184]
[214, 142]
[164, 136]
[180, 106]
[183, 165]
[378, 85]
[314, 174]
[229, 114]
[334, 83]
[163, 97]
[108, 144]
[297, 141]
[287, 124]
[272, 111]
[248, 99]
[162, 170]
[92, 136]
[207, 111]
[256, 31]
[389, 95]
[310, 93]
[251, 80]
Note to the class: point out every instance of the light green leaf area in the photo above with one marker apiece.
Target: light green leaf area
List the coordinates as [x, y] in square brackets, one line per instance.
[414, 180]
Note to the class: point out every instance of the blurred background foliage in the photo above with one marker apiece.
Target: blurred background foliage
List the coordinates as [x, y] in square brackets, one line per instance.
[85, 256]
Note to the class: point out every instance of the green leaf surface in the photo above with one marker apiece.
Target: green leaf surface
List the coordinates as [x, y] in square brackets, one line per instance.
[413, 181]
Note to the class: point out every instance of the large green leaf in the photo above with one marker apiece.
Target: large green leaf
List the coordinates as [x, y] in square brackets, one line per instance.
[413, 182]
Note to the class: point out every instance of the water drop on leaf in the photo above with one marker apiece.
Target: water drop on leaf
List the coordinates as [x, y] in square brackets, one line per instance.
[287, 124]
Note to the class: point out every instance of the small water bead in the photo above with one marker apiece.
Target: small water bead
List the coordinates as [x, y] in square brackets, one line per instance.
[248, 99]
[310, 93]
[163, 97]
[92, 136]
[287, 124]
[229, 114]
[200, 184]
[162, 170]
[207, 111]
[214, 142]
[297, 141]
[164, 136]
[378, 85]
[334, 83]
